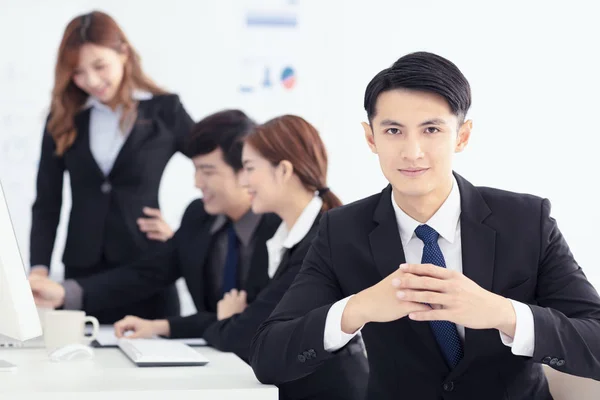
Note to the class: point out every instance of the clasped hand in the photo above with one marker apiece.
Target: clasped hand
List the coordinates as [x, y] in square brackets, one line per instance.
[453, 297]
[425, 292]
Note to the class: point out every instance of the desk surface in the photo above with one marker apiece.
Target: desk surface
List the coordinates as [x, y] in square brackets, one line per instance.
[111, 373]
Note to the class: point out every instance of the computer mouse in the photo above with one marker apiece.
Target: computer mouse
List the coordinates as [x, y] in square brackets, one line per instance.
[72, 352]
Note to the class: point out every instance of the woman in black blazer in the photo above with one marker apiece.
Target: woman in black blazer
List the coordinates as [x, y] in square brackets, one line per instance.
[114, 131]
[285, 166]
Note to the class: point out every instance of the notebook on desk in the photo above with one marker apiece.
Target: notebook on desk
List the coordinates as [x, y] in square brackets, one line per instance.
[160, 353]
[107, 338]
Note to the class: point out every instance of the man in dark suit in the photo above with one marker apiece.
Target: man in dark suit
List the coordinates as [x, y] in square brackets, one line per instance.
[460, 292]
[218, 249]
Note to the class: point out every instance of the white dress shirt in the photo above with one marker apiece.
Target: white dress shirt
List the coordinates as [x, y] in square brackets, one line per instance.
[106, 137]
[446, 221]
[283, 239]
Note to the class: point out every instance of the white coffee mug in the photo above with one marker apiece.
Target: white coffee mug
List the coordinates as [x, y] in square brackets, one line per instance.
[41, 313]
[64, 327]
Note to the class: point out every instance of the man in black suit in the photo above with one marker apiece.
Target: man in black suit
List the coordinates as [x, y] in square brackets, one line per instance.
[219, 248]
[460, 292]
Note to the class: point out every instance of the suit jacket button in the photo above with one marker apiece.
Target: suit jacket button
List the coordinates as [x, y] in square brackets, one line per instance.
[312, 353]
[301, 358]
[560, 363]
[106, 187]
[306, 355]
[553, 361]
[546, 360]
[448, 386]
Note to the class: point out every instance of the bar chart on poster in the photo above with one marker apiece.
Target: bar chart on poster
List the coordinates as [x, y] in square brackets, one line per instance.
[268, 47]
[281, 52]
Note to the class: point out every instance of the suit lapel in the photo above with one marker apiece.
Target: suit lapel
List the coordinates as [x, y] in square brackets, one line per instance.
[387, 250]
[285, 262]
[258, 275]
[385, 242]
[196, 252]
[478, 239]
[82, 124]
[142, 128]
[478, 255]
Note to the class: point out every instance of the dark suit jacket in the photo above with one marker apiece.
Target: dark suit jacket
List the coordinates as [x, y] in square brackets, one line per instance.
[343, 377]
[185, 255]
[510, 246]
[102, 225]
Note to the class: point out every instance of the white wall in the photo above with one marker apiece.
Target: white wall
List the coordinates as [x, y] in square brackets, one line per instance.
[532, 66]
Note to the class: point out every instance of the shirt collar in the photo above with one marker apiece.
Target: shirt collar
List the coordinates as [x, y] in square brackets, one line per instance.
[94, 102]
[444, 221]
[244, 227]
[303, 224]
[136, 94]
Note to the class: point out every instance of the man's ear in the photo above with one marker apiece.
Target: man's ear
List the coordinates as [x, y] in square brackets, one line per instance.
[369, 136]
[464, 134]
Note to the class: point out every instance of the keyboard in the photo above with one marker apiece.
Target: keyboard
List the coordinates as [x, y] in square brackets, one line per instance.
[160, 353]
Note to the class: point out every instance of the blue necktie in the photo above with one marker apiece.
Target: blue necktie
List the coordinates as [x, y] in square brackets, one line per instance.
[231, 261]
[444, 331]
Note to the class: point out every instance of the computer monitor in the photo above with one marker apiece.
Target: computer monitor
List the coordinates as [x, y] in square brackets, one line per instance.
[18, 315]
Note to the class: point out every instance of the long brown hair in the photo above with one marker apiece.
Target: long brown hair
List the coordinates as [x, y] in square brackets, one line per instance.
[292, 138]
[67, 99]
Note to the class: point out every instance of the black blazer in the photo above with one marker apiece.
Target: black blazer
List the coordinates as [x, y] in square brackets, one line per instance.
[185, 255]
[510, 246]
[343, 377]
[102, 225]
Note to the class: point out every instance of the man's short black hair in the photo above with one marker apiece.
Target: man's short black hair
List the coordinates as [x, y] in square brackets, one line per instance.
[225, 130]
[424, 72]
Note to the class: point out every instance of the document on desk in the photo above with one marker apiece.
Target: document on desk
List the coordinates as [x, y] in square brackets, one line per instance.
[107, 338]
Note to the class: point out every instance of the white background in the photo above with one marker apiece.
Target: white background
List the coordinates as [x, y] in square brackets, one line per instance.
[533, 67]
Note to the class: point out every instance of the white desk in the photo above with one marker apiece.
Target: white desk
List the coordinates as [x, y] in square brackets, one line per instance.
[112, 376]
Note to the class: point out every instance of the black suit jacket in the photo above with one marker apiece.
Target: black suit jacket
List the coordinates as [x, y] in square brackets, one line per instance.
[102, 225]
[185, 255]
[343, 377]
[510, 246]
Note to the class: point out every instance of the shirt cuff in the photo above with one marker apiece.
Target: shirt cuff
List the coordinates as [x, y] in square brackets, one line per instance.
[73, 295]
[39, 266]
[334, 338]
[523, 344]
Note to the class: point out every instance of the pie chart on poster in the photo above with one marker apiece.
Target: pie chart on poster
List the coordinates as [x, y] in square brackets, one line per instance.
[288, 77]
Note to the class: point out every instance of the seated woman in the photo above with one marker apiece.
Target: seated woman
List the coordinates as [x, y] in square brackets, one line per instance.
[285, 170]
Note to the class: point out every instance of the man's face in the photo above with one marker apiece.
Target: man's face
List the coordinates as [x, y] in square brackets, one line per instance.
[219, 183]
[415, 135]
